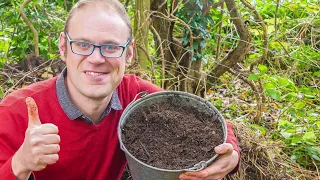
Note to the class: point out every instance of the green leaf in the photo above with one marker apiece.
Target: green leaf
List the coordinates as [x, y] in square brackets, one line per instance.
[269, 86]
[283, 82]
[317, 73]
[315, 157]
[295, 140]
[309, 96]
[283, 123]
[274, 94]
[253, 56]
[313, 151]
[286, 135]
[1, 93]
[260, 128]
[270, 29]
[253, 77]
[195, 45]
[263, 69]
[289, 96]
[309, 136]
[299, 104]
[275, 45]
[318, 124]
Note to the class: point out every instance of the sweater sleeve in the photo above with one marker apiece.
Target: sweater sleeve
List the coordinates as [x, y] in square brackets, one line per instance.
[7, 147]
[6, 171]
[11, 137]
[231, 138]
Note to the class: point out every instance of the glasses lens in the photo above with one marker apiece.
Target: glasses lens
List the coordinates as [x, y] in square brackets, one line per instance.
[83, 48]
[111, 50]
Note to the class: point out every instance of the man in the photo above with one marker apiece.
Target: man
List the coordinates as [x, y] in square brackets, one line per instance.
[68, 129]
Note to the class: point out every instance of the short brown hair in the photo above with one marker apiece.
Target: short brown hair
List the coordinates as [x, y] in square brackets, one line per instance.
[115, 5]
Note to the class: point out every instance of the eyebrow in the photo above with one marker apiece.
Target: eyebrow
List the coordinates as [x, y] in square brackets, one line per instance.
[103, 42]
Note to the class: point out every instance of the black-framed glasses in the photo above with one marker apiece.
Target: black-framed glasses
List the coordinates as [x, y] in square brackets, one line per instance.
[86, 48]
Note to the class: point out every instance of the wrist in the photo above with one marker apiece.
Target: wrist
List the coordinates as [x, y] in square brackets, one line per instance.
[18, 170]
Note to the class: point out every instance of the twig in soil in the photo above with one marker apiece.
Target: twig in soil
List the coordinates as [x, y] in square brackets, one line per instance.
[145, 150]
[145, 116]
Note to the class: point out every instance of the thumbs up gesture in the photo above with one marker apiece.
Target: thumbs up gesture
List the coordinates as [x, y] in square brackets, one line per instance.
[40, 147]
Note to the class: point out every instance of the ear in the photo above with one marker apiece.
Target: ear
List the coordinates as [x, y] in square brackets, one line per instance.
[63, 46]
[129, 53]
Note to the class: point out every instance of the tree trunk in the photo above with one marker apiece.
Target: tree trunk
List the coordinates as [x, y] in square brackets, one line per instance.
[141, 29]
[164, 29]
[194, 82]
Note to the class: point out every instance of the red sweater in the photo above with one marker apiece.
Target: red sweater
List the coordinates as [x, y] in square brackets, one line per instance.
[88, 151]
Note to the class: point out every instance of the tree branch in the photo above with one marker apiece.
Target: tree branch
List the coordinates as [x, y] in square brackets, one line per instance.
[265, 34]
[240, 51]
[161, 53]
[30, 25]
[207, 6]
[256, 93]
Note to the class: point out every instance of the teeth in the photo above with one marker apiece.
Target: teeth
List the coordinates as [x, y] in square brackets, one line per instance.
[93, 73]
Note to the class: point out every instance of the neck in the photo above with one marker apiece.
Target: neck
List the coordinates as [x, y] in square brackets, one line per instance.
[91, 107]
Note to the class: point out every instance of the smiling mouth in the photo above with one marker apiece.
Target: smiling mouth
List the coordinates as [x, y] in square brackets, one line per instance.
[94, 73]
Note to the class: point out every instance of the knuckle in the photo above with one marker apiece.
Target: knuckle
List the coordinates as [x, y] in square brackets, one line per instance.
[35, 151]
[53, 127]
[35, 141]
[230, 146]
[204, 173]
[38, 160]
[31, 132]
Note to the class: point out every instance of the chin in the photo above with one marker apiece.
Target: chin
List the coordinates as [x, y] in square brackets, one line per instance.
[97, 94]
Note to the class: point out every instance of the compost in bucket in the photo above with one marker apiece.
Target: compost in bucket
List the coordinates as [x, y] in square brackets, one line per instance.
[170, 136]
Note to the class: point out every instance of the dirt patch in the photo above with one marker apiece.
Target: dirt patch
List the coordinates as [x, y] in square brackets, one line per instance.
[169, 136]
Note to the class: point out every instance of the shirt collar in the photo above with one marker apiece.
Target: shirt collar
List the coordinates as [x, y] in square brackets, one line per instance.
[71, 110]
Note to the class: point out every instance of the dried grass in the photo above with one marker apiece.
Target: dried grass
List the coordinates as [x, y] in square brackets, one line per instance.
[263, 160]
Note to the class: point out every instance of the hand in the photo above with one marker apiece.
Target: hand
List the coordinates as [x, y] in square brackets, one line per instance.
[225, 163]
[40, 147]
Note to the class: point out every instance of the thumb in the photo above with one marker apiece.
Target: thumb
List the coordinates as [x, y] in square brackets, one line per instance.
[224, 148]
[33, 114]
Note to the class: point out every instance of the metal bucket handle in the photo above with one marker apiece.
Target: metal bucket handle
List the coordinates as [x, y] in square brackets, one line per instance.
[197, 167]
[142, 93]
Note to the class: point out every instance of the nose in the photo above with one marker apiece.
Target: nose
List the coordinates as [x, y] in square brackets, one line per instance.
[96, 57]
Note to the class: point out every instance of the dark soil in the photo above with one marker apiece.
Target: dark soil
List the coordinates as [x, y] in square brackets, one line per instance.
[171, 137]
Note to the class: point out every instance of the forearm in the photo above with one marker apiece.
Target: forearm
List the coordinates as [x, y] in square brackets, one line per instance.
[20, 172]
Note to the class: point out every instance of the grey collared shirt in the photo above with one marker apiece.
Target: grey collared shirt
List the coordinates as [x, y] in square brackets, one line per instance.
[71, 110]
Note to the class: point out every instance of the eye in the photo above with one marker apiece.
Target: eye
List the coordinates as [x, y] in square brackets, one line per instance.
[111, 48]
[83, 45]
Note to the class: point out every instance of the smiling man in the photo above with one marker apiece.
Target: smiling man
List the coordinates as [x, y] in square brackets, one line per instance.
[68, 129]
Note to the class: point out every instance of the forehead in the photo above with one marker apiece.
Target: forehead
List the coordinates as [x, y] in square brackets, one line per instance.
[99, 25]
